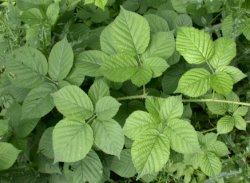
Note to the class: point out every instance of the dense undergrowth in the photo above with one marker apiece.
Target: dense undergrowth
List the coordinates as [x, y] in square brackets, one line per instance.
[124, 91]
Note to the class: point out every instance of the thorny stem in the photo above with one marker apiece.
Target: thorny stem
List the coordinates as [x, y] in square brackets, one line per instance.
[143, 96]
[217, 101]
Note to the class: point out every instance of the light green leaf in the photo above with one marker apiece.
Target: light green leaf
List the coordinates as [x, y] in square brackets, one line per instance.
[130, 32]
[8, 155]
[169, 16]
[32, 16]
[183, 20]
[152, 105]
[234, 72]
[162, 45]
[142, 76]
[119, 68]
[171, 108]
[108, 136]
[27, 67]
[225, 51]
[38, 102]
[241, 111]
[225, 124]
[73, 103]
[137, 123]
[232, 97]
[196, 46]
[218, 148]
[156, 64]
[124, 166]
[180, 5]
[194, 82]
[216, 107]
[107, 42]
[182, 136]
[52, 13]
[245, 28]
[72, 140]
[98, 90]
[89, 169]
[60, 60]
[4, 126]
[227, 26]
[239, 122]
[106, 108]
[99, 3]
[156, 23]
[45, 144]
[221, 82]
[210, 164]
[150, 151]
[89, 62]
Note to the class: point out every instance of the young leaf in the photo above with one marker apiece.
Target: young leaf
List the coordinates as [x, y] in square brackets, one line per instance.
[225, 124]
[130, 32]
[152, 105]
[162, 45]
[196, 46]
[108, 136]
[142, 76]
[89, 169]
[8, 155]
[106, 108]
[194, 82]
[124, 166]
[218, 148]
[73, 103]
[52, 13]
[232, 97]
[171, 108]
[241, 111]
[89, 62]
[45, 144]
[27, 67]
[60, 60]
[156, 23]
[100, 3]
[72, 140]
[38, 102]
[234, 72]
[210, 164]
[182, 136]
[137, 123]
[98, 90]
[221, 82]
[225, 51]
[215, 107]
[150, 151]
[119, 68]
[156, 64]
[239, 122]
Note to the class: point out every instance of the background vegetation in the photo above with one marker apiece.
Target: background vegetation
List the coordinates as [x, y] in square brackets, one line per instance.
[124, 91]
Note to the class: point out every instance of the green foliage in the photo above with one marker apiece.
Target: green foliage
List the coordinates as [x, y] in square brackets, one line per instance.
[124, 91]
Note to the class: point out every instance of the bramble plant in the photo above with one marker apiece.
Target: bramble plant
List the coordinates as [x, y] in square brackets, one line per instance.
[124, 91]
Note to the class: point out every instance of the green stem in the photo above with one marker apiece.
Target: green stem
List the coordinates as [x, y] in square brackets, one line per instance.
[217, 101]
[91, 119]
[143, 96]
[209, 130]
[54, 82]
